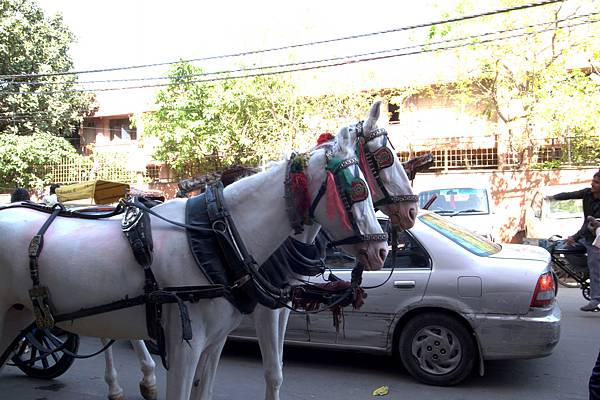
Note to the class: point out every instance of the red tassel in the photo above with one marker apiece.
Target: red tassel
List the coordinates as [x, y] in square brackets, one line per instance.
[324, 137]
[335, 207]
[364, 166]
[299, 188]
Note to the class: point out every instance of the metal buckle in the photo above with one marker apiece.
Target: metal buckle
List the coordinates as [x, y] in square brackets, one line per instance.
[40, 297]
[35, 246]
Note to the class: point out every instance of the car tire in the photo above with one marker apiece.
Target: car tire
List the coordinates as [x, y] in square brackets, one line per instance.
[437, 349]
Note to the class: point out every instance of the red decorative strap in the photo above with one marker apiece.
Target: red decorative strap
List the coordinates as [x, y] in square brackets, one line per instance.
[335, 207]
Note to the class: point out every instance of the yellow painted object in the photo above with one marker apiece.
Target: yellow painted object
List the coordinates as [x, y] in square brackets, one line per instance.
[381, 391]
[103, 192]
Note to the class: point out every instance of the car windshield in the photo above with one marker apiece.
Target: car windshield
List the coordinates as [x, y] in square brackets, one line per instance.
[454, 201]
[476, 244]
[559, 209]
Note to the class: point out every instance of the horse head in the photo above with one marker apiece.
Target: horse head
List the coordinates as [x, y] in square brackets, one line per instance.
[387, 179]
[342, 203]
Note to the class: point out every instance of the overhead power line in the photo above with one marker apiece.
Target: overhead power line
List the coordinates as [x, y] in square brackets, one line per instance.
[294, 46]
[248, 69]
[328, 63]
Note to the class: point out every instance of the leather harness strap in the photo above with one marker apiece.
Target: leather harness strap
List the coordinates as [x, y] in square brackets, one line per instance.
[237, 257]
[153, 296]
[40, 295]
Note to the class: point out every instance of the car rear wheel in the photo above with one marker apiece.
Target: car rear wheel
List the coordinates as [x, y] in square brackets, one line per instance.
[437, 349]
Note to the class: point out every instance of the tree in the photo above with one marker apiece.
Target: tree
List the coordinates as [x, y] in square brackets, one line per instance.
[541, 83]
[22, 158]
[206, 126]
[32, 45]
[36, 111]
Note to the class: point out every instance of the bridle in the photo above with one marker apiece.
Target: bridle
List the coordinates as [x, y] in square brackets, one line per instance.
[378, 160]
[351, 189]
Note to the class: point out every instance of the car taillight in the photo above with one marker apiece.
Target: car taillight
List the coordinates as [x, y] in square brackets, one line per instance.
[543, 295]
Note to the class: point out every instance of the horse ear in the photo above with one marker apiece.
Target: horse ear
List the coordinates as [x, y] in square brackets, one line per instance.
[374, 114]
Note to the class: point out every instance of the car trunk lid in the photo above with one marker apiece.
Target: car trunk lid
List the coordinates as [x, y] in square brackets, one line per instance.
[522, 252]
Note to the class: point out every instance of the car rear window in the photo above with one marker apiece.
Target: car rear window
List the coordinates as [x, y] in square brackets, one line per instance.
[474, 243]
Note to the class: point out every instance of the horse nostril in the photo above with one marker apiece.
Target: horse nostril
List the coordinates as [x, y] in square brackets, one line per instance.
[383, 254]
[412, 213]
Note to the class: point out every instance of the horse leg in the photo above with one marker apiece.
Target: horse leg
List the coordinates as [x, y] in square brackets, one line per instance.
[147, 365]
[284, 314]
[115, 391]
[182, 356]
[270, 331]
[206, 371]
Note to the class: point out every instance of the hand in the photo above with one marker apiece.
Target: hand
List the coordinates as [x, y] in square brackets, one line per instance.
[570, 241]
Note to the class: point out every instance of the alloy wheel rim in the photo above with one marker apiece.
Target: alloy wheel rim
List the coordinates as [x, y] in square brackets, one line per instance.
[437, 350]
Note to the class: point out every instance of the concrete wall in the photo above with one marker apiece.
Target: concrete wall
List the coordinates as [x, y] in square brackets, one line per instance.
[511, 190]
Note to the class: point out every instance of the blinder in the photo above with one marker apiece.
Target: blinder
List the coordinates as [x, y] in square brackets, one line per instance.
[358, 191]
[351, 188]
[378, 160]
[383, 157]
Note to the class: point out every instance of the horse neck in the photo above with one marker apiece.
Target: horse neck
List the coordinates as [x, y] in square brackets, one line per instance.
[257, 207]
[309, 234]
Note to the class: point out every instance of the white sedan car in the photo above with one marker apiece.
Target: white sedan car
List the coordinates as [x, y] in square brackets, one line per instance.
[452, 300]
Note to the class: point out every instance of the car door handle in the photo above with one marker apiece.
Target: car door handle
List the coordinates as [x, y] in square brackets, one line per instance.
[404, 284]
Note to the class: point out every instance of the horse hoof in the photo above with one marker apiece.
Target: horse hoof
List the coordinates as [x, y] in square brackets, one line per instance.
[148, 392]
[119, 396]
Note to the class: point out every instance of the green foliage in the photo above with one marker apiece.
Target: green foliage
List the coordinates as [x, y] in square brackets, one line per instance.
[542, 82]
[23, 158]
[30, 43]
[207, 126]
[548, 164]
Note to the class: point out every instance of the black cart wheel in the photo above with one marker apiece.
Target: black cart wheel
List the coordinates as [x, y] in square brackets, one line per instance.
[437, 349]
[35, 361]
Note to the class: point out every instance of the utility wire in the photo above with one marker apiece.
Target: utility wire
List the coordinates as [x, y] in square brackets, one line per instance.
[326, 63]
[472, 37]
[293, 46]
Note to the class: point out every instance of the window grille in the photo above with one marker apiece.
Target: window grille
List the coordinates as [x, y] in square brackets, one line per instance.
[153, 172]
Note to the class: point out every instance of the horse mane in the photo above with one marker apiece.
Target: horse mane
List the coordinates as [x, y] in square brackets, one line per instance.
[235, 173]
[227, 176]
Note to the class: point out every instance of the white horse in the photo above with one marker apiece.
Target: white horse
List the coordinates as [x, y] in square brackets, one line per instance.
[393, 192]
[390, 187]
[88, 263]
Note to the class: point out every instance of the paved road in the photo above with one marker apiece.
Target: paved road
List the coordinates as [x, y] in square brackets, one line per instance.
[342, 376]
